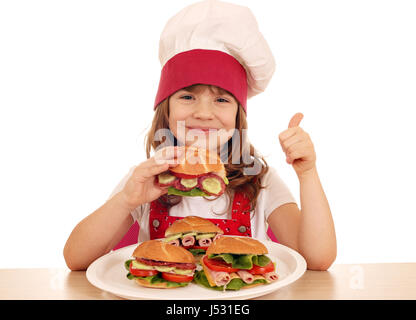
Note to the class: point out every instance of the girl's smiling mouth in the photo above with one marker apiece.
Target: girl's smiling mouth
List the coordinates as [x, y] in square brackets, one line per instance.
[205, 129]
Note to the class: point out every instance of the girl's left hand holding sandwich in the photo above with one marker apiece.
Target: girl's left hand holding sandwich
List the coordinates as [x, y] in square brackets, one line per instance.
[109, 223]
[140, 188]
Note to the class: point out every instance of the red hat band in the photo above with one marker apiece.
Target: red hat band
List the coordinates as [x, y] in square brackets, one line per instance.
[212, 67]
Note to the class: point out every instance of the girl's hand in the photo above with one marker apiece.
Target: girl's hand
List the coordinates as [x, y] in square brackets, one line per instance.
[141, 186]
[298, 146]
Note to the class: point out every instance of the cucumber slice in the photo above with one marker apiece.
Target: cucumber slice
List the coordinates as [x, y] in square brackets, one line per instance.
[164, 269]
[183, 271]
[189, 234]
[189, 183]
[205, 236]
[137, 265]
[165, 178]
[212, 185]
[173, 237]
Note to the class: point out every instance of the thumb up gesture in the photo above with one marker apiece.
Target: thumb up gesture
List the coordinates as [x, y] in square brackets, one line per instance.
[298, 146]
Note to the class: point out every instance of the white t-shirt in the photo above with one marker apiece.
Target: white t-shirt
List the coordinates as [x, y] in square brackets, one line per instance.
[273, 196]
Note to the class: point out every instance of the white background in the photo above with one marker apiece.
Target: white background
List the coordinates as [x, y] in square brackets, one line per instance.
[78, 81]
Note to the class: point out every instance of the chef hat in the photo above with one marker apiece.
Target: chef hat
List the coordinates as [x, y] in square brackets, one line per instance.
[217, 43]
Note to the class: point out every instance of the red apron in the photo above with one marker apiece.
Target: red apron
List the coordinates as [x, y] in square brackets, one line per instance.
[238, 225]
[159, 220]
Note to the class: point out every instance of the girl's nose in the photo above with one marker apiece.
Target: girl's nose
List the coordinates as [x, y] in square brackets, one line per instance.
[203, 111]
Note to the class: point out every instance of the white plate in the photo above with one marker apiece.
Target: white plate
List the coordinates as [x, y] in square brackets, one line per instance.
[108, 273]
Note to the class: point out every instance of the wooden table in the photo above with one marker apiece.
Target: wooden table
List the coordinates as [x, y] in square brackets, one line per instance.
[360, 281]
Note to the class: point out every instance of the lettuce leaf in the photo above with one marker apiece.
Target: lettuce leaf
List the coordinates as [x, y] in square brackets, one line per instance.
[201, 279]
[242, 261]
[261, 260]
[195, 192]
[195, 252]
[235, 284]
[127, 264]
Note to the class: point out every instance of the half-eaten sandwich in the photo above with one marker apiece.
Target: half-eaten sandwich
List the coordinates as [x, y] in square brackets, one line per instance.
[157, 264]
[198, 173]
[234, 263]
[193, 233]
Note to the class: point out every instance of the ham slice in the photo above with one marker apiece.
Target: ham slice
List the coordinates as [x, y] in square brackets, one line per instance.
[271, 276]
[204, 242]
[221, 278]
[188, 241]
[246, 276]
[174, 242]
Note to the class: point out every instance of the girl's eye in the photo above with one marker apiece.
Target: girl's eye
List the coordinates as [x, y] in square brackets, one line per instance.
[187, 97]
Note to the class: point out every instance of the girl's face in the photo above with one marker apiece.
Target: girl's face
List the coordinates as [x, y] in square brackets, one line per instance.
[202, 116]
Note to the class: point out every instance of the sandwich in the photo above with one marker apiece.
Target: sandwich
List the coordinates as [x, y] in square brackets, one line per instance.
[234, 263]
[199, 172]
[194, 234]
[157, 264]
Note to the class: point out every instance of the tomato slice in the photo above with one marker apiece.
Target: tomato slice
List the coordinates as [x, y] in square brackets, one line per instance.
[262, 270]
[142, 273]
[219, 265]
[176, 277]
[199, 247]
[185, 176]
[195, 247]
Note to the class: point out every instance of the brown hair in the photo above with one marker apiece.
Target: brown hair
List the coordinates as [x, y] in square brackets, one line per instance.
[238, 181]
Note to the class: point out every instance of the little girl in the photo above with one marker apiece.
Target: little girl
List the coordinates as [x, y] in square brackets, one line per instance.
[213, 59]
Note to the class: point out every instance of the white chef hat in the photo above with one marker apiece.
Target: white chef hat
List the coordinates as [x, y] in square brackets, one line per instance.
[218, 43]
